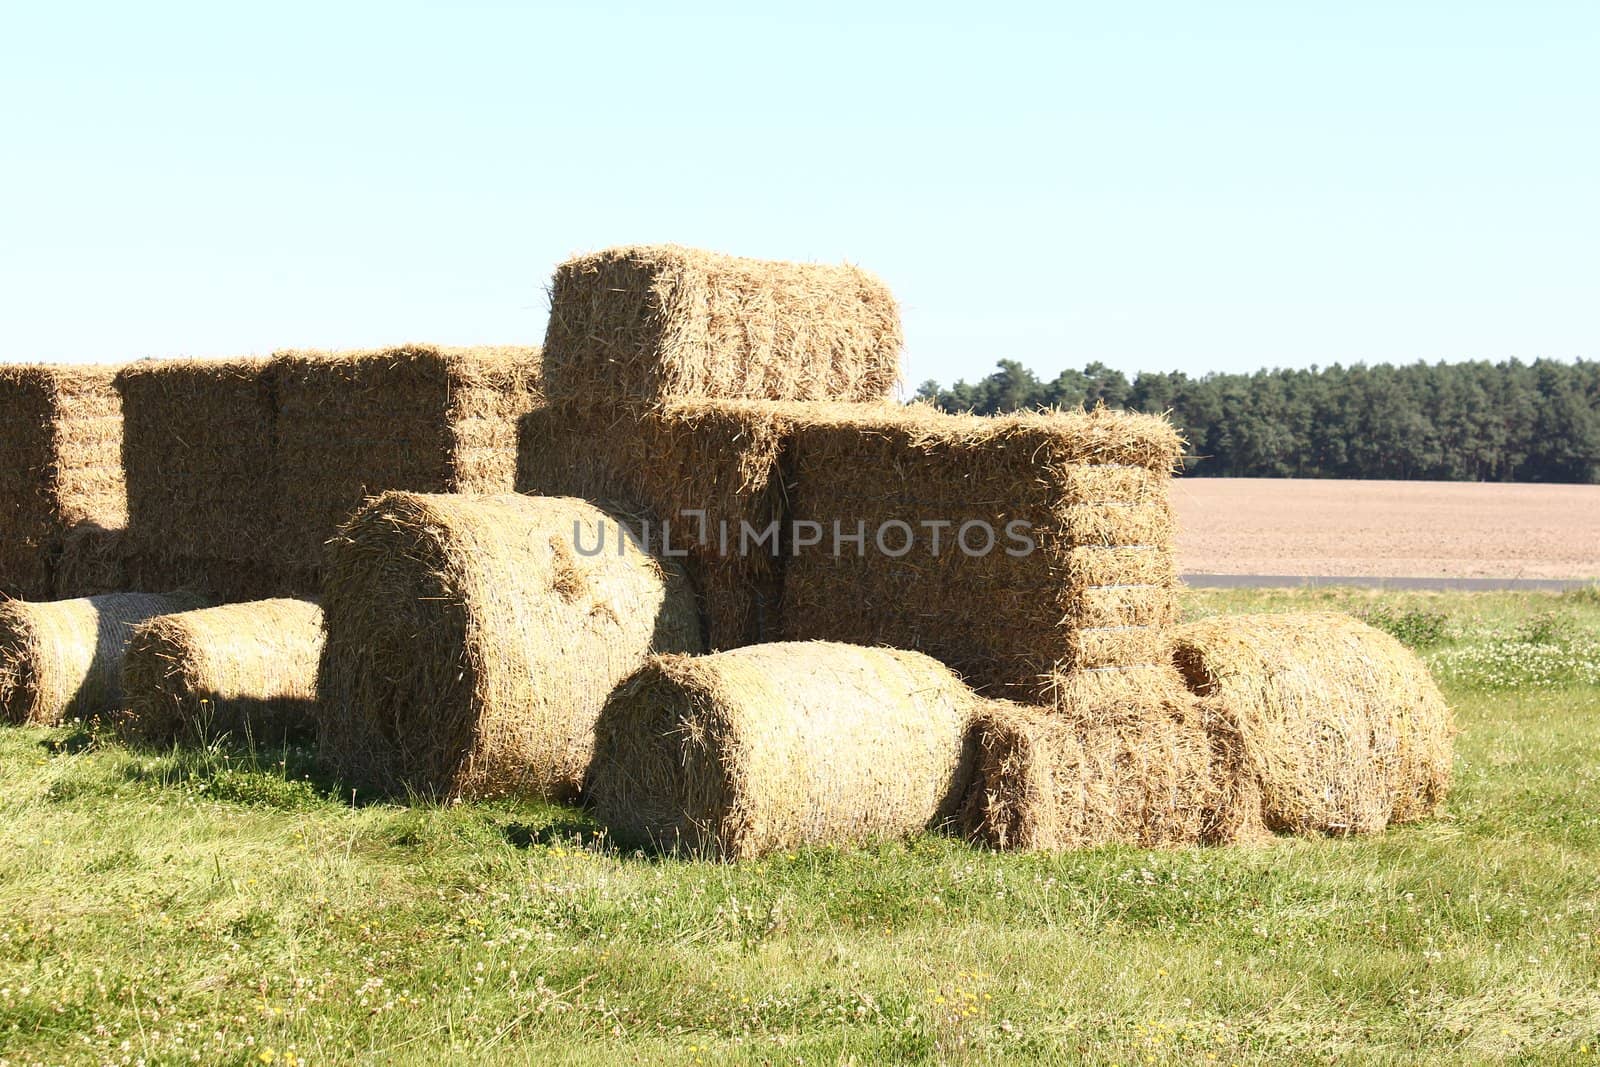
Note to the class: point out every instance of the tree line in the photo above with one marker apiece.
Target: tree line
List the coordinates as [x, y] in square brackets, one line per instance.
[1503, 422]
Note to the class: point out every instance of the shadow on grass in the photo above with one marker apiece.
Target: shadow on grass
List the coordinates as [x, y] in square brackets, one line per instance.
[568, 828]
[77, 736]
[289, 777]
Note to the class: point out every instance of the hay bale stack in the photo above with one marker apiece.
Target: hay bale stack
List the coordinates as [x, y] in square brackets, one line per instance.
[472, 641]
[420, 418]
[1095, 591]
[1341, 724]
[1144, 764]
[642, 324]
[198, 449]
[64, 658]
[705, 472]
[60, 465]
[781, 745]
[249, 670]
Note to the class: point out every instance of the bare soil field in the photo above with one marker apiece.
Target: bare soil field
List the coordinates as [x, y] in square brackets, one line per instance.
[1286, 526]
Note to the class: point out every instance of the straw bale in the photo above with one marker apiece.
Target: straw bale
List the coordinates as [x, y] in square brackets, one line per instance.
[642, 324]
[420, 418]
[249, 670]
[472, 640]
[1340, 723]
[60, 464]
[1137, 761]
[1096, 589]
[781, 745]
[64, 658]
[95, 560]
[198, 449]
[704, 472]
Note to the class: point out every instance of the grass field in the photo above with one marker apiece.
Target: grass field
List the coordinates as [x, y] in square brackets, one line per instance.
[223, 907]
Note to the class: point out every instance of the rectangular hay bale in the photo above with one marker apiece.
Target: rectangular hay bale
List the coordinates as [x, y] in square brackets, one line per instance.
[60, 465]
[198, 449]
[912, 515]
[1140, 762]
[422, 418]
[639, 325]
[96, 560]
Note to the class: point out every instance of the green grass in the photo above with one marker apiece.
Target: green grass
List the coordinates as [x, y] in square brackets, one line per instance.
[225, 907]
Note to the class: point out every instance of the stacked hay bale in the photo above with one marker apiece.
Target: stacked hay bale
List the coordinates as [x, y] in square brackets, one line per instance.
[245, 670]
[729, 398]
[64, 659]
[418, 417]
[1339, 723]
[60, 466]
[671, 375]
[1023, 550]
[883, 517]
[198, 451]
[473, 640]
[240, 470]
[1033, 553]
[644, 324]
[780, 745]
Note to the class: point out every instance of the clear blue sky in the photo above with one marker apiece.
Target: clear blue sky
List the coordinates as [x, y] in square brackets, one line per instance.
[1158, 185]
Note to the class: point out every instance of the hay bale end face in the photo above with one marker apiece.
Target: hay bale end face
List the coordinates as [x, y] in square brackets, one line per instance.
[198, 449]
[419, 418]
[1014, 549]
[472, 641]
[246, 670]
[63, 659]
[643, 324]
[60, 465]
[1141, 762]
[780, 745]
[1341, 724]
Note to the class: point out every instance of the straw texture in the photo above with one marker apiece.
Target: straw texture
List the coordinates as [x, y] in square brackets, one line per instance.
[60, 465]
[471, 641]
[420, 418]
[198, 450]
[779, 745]
[704, 472]
[246, 670]
[1141, 763]
[1341, 724]
[1089, 582]
[96, 560]
[64, 659]
[642, 324]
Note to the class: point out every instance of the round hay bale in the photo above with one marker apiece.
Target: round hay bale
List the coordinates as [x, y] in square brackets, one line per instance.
[1340, 723]
[249, 670]
[472, 641]
[64, 658]
[779, 745]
